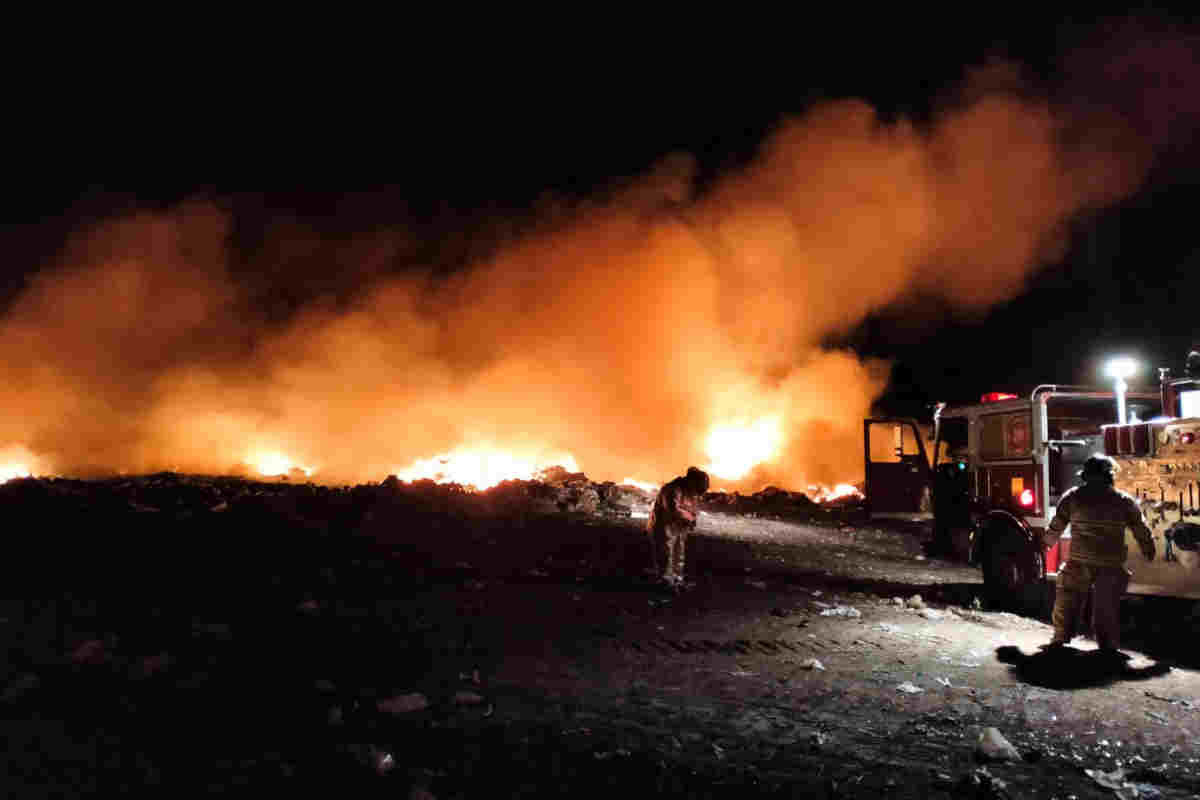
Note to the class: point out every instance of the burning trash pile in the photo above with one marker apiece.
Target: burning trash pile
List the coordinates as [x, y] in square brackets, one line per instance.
[773, 500]
[555, 490]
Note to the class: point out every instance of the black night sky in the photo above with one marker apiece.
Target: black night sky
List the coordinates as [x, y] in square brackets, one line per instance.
[455, 145]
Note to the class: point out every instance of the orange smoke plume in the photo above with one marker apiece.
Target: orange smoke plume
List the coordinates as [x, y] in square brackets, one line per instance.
[659, 328]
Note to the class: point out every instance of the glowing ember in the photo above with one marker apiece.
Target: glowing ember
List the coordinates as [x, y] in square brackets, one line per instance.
[734, 450]
[482, 467]
[823, 494]
[272, 463]
[17, 462]
[10, 472]
[643, 485]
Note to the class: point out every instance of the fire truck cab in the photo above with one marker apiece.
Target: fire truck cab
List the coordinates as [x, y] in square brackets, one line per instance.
[997, 469]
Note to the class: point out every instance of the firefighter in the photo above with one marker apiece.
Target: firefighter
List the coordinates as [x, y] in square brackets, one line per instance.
[672, 518]
[1098, 514]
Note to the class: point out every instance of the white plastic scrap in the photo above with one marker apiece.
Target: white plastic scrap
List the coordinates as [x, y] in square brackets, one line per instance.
[813, 664]
[841, 611]
[909, 688]
[1114, 780]
[993, 745]
[944, 682]
[929, 613]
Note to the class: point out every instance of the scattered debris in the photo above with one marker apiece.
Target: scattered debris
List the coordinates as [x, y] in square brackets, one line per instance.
[915, 602]
[814, 664]
[1115, 780]
[899, 601]
[404, 703]
[888, 627]
[929, 613]
[465, 698]
[841, 611]
[909, 688]
[1190, 705]
[993, 746]
[383, 762]
[944, 682]
[741, 673]
[817, 739]
[757, 584]
[1157, 716]
[982, 783]
[92, 652]
[718, 751]
[920, 558]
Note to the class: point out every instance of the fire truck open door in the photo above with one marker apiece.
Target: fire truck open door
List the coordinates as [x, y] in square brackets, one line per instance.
[898, 476]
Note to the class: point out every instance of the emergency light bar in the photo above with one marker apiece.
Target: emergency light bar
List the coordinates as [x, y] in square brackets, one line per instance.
[996, 397]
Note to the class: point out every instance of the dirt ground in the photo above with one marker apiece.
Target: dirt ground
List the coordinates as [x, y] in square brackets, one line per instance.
[428, 655]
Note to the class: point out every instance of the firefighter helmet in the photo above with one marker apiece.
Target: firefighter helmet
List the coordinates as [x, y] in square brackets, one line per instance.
[1098, 468]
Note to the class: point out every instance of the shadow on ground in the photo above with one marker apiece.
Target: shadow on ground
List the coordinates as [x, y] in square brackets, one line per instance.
[1069, 668]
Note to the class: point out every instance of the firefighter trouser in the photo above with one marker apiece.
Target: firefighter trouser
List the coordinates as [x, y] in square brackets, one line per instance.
[667, 544]
[1107, 585]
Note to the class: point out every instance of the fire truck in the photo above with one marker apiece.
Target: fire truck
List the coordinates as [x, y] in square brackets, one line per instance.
[995, 471]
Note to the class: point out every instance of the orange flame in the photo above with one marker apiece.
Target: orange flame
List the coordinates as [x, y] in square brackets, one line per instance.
[483, 467]
[10, 471]
[16, 462]
[271, 463]
[824, 494]
[733, 450]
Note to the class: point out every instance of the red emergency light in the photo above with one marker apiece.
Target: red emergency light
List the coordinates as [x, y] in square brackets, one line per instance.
[1026, 498]
[996, 397]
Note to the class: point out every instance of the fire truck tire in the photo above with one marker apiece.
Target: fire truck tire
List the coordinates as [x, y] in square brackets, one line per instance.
[1013, 570]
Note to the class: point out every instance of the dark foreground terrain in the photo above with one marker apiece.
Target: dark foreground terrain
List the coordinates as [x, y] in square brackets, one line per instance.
[169, 633]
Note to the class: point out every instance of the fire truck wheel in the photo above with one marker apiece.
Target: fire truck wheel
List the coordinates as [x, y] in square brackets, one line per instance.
[1013, 571]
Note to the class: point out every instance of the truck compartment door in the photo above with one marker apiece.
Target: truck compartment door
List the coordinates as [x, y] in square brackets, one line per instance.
[898, 475]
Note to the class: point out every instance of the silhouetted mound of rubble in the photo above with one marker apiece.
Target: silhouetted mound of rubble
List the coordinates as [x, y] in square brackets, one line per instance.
[771, 501]
[154, 499]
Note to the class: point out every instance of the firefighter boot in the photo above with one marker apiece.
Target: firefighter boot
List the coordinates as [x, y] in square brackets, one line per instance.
[1110, 585]
[1070, 597]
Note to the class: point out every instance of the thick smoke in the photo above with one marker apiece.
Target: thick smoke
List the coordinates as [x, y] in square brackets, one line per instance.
[621, 332]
